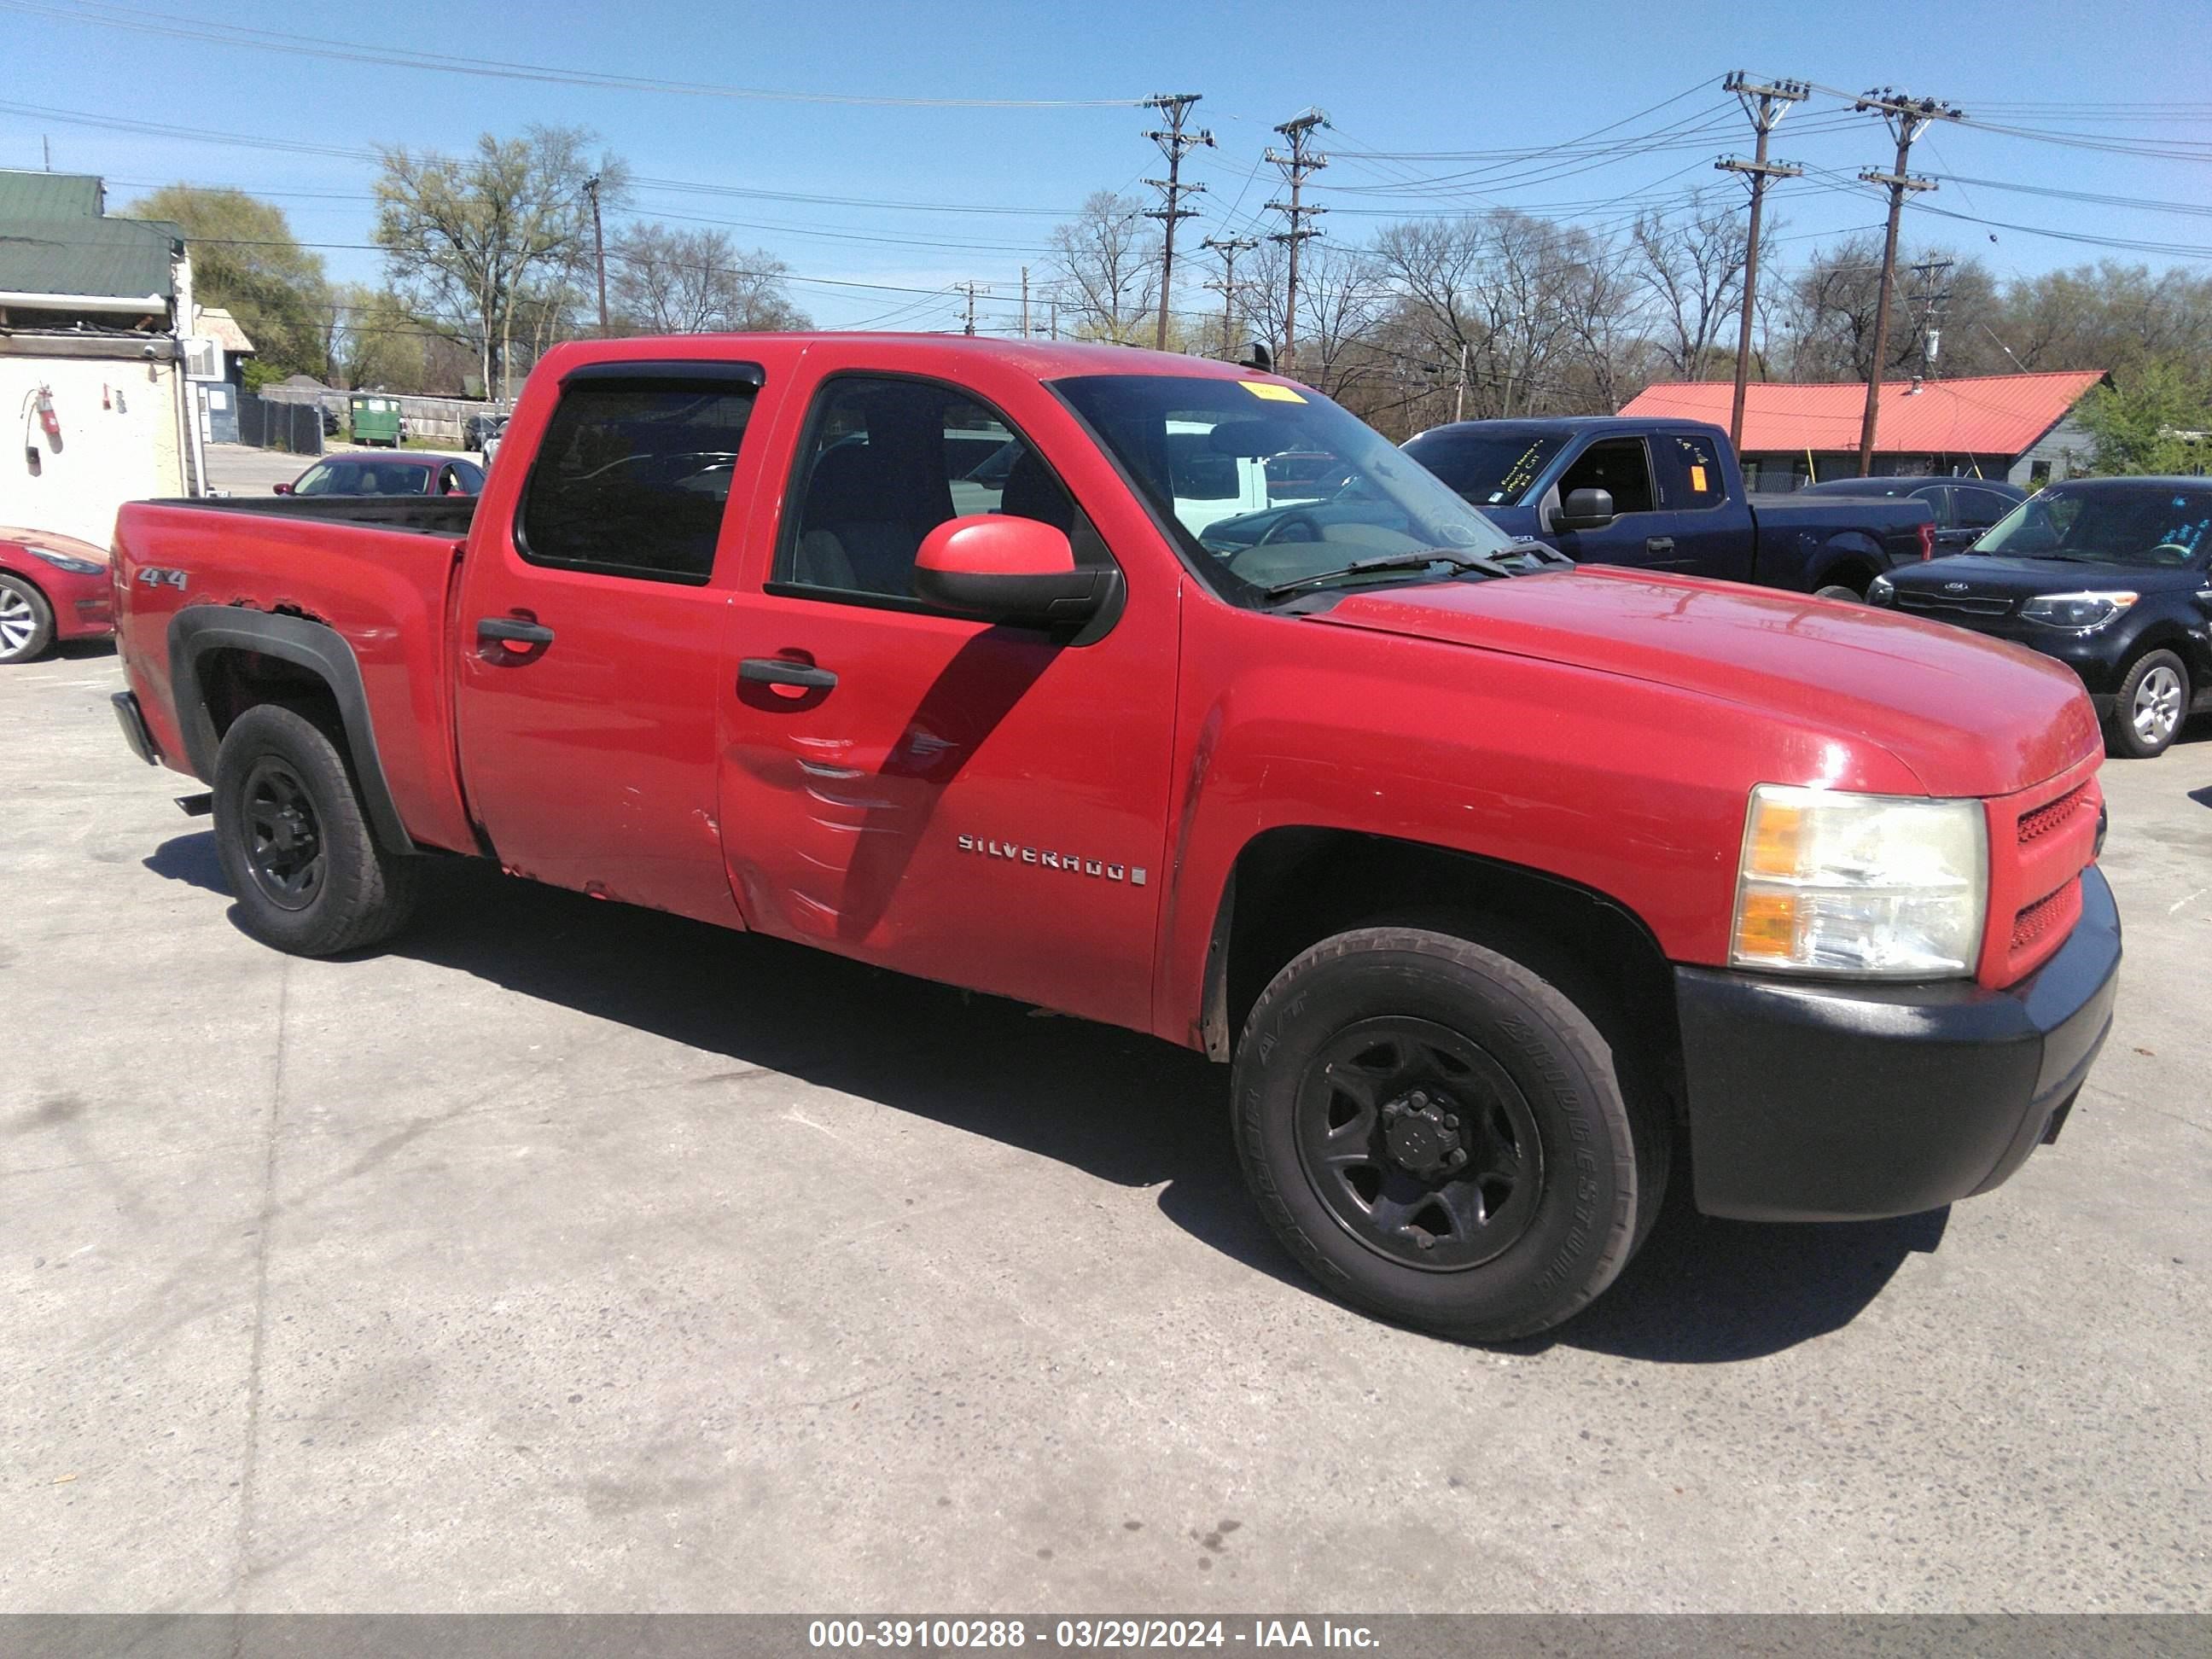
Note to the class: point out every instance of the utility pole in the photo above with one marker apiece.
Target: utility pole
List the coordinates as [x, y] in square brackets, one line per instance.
[1907, 117]
[971, 289]
[1297, 167]
[1025, 302]
[598, 249]
[1927, 302]
[1175, 143]
[1765, 106]
[1459, 395]
[1228, 248]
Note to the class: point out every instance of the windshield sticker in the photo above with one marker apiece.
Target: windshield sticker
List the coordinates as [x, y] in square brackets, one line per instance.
[1697, 480]
[1523, 473]
[1274, 394]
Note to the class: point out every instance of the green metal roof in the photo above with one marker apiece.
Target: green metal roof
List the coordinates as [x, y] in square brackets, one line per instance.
[49, 195]
[108, 257]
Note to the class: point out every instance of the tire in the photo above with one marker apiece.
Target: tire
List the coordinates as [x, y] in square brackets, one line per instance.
[309, 874]
[27, 621]
[1838, 590]
[1513, 1148]
[2151, 708]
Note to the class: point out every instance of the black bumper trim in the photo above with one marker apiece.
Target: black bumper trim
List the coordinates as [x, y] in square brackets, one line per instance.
[1815, 1102]
[133, 723]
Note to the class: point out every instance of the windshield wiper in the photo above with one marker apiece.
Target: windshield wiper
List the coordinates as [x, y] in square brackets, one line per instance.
[1421, 560]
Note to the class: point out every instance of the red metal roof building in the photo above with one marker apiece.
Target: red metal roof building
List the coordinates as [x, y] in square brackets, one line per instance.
[2016, 427]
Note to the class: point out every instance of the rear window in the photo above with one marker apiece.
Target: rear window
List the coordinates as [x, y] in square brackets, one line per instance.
[370, 478]
[632, 481]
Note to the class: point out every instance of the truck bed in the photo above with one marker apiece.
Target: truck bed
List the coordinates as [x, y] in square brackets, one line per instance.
[428, 515]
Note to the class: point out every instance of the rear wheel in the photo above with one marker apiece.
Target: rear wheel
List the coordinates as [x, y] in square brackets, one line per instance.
[1838, 590]
[27, 621]
[2153, 701]
[308, 873]
[1440, 1135]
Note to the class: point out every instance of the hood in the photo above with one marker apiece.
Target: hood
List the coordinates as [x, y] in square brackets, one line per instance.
[54, 543]
[1966, 715]
[1996, 575]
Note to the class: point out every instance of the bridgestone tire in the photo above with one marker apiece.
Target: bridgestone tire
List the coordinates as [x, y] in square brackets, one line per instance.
[1604, 1151]
[2122, 739]
[363, 893]
[24, 606]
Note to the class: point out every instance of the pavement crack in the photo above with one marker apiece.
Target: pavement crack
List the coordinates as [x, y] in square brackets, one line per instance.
[249, 1459]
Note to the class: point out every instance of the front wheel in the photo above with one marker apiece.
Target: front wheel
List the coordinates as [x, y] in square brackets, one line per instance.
[2153, 703]
[27, 621]
[1441, 1135]
[1838, 590]
[308, 873]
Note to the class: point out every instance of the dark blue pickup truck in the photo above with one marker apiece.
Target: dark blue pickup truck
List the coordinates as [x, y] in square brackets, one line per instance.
[1668, 496]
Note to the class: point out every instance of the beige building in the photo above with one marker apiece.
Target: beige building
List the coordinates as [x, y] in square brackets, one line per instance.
[91, 361]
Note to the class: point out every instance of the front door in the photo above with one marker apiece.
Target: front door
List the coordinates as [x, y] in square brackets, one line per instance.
[981, 804]
[591, 632]
[1642, 530]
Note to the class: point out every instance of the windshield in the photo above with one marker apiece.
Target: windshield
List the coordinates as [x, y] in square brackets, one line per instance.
[1489, 467]
[365, 478]
[1271, 484]
[2145, 524]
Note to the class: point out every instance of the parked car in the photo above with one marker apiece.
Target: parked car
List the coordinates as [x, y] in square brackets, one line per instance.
[52, 587]
[2109, 575]
[1484, 870]
[1964, 508]
[387, 474]
[479, 425]
[1668, 496]
[330, 422]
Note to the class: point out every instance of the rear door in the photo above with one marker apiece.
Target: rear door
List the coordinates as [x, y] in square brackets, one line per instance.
[1714, 535]
[592, 614]
[985, 806]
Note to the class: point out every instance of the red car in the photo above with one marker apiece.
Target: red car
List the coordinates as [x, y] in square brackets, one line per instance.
[383, 472]
[1489, 874]
[52, 587]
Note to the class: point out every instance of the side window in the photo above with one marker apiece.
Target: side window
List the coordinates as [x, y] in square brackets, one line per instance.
[1697, 473]
[1977, 509]
[1620, 467]
[883, 463]
[631, 479]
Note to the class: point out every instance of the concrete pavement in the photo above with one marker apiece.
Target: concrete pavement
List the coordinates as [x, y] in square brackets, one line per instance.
[567, 1256]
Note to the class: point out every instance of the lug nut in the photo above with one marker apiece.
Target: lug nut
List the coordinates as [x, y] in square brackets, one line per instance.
[1451, 1123]
[1428, 1243]
[1458, 1156]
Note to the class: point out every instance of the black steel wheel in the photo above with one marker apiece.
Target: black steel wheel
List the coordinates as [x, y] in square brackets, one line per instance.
[309, 872]
[1442, 1135]
[1422, 1147]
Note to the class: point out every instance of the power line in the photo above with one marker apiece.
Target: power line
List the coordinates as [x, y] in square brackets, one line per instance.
[303, 45]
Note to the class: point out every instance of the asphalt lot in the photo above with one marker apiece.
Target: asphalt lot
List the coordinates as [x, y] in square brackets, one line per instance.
[569, 1256]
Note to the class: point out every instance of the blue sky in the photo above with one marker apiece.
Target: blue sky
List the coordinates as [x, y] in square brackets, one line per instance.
[1411, 80]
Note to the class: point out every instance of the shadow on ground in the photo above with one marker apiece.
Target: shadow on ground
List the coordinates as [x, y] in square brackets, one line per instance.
[1121, 1107]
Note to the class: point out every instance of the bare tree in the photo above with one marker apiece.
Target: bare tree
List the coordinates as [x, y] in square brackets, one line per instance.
[694, 281]
[1342, 296]
[1691, 265]
[471, 240]
[1107, 262]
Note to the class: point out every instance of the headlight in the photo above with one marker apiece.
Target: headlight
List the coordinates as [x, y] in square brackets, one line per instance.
[1865, 886]
[76, 567]
[2086, 610]
[1881, 591]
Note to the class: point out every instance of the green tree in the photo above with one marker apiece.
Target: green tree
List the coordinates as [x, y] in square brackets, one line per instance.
[2158, 419]
[247, 261]
[481, 245]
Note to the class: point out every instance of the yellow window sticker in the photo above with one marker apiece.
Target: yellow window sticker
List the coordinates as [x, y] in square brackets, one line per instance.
[1279, 394]
[1697, 481]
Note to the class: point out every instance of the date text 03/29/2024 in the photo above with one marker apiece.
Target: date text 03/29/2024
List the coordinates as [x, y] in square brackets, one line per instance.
[895, 1634]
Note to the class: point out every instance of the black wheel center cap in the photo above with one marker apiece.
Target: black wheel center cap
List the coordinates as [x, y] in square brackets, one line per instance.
[1420, 1130]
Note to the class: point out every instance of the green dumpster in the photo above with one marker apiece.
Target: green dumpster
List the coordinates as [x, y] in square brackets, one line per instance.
[376, 420]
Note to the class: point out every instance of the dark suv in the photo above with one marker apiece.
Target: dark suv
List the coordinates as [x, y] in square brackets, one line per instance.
[2110, 576]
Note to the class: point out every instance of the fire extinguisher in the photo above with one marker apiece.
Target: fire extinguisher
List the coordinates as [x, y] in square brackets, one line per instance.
[47, 418]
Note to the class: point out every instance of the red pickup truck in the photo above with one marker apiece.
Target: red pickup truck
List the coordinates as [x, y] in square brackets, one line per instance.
[1493, 878]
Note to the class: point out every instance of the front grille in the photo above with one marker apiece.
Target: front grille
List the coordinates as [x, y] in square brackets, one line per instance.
[2046, 820]
[1969, 604]
[2059, 911]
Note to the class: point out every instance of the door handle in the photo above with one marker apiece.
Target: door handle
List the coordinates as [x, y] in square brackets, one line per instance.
[1658, 544]
[783, 671]
[512, 630]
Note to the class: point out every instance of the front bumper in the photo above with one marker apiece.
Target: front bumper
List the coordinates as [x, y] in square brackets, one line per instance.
[1825, 1103]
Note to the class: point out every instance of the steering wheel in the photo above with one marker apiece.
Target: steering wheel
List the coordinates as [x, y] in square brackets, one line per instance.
[2177, 553]
[1274, 532]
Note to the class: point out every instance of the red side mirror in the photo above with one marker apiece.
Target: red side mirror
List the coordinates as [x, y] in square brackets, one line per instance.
[1008, 570]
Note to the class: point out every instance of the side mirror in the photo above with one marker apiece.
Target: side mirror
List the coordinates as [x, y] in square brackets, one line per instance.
[1007, 570]
[1586, 509]
[282, 489]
